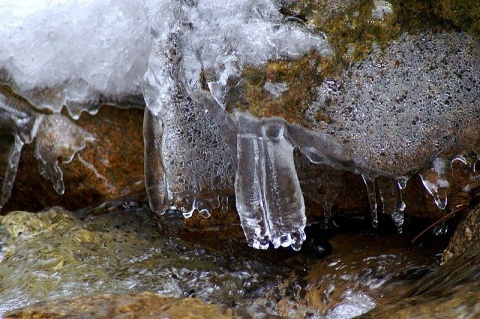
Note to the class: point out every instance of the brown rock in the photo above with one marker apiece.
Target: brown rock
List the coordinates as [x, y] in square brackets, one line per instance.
[143, 305]
[467, 233]
[110, 167]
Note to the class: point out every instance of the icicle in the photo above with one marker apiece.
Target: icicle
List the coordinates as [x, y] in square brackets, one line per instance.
[372, 198]
[476, 169]
[283, 197]
[248, 192]
[11, 169]
[393, 205]
[332, 187]
[58, 138]
[320, 183]
[154, 169]
[436, 182]
[224, 204]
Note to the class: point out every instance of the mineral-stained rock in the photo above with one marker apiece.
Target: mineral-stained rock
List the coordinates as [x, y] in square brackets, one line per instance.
[142, 306]
[452, 291]
[110, 166]
[466, 234]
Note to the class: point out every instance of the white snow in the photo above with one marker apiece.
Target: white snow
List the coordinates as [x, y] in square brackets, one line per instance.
[80, 49]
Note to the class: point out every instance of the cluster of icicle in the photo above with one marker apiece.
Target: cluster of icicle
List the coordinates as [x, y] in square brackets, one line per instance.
[57, 139]
[197, 154]
[381, 127]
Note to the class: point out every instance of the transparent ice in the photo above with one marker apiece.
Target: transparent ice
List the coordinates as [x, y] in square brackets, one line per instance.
[56, 137]
[194, 146]
[215, 40]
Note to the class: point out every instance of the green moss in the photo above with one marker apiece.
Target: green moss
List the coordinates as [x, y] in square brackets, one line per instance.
[353, 34]
[301, 78]
[463, 14]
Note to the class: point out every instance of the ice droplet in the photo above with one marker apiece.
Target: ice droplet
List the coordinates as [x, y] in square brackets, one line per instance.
[372, 198]
[435, 180]
[440, 229]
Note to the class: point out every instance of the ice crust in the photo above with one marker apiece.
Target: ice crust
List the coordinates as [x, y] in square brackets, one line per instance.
[377, 118]
[73, 53]
[199, 44]
[56, 137]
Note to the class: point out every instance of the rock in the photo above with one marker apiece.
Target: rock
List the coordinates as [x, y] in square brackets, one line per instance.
[344, 280]
[143, 305]
[464, 14]
[452, 291]
[110, 166]
[119, 249]
[466, 234]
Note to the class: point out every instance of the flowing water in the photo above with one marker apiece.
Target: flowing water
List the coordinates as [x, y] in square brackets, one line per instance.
[340, 272]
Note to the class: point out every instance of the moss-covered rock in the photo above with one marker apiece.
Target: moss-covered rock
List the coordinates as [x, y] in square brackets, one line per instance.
[143, 305]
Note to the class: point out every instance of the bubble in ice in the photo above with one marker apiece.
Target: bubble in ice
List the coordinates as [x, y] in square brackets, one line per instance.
[211, 41]
[392, 124]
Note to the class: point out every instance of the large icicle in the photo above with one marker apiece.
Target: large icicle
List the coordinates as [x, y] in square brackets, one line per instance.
[282, 193]
[248, 192]
[187, 164]
[269, 198]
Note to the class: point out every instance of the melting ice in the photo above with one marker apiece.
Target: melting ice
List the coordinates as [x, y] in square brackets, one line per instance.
[216, 39]
[200, 48]
[54, 53]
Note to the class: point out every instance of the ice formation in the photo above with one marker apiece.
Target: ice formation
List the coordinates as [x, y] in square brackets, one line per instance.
[380, 125]
[56, 137]
[198, 44]
[73, 53]
[395, 128]
[58, 53]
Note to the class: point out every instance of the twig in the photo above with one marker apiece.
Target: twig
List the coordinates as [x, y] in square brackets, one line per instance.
[444, 218]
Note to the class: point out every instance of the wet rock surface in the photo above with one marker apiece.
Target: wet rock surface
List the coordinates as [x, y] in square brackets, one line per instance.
[110, 166]
[450, 292]
[466, 234]
[119, 248]
[143, 305]
[388, 88]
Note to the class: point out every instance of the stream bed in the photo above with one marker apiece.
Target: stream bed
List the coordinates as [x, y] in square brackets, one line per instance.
[124, 248]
